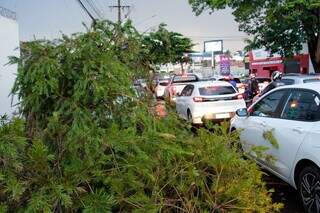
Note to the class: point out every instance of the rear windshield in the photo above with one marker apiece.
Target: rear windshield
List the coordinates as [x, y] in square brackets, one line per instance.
[164, 83]
[262, 80]
[287, 81]
[216, 90]
[237, 80]
[184, 78]
[311, 80]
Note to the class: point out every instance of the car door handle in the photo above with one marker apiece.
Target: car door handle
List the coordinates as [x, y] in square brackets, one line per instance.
[298, 130]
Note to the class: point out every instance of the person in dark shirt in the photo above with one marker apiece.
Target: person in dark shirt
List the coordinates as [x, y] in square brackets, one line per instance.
[275, 82]
[253, 87]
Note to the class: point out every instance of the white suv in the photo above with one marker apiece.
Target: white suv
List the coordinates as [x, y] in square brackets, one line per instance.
[291, 116]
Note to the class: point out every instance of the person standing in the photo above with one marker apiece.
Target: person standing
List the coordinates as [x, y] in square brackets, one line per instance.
[253, 87]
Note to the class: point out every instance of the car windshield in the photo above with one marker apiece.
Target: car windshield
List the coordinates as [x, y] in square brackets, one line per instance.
[184, 78]
[216, 90]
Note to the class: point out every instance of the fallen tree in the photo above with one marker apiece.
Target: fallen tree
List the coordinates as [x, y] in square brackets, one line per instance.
[85, 142]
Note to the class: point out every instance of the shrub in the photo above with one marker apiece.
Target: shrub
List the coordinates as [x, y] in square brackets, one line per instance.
[86, 143]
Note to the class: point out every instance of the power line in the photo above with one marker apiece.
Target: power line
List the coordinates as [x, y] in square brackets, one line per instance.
[87, 11]
[95, 9]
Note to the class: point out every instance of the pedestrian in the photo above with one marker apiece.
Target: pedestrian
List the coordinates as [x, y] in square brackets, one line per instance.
[233, 82]
[253, 87]
[276, 77]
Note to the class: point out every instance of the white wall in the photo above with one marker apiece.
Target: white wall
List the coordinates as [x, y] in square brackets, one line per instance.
[9, 42]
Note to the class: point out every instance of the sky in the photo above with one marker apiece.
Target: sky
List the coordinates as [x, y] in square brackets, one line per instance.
[50, 18]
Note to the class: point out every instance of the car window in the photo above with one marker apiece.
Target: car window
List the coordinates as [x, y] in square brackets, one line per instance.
[287, 81]
[184, 78]
[302, 106]
[311, 80]
[187, 90]
[216, 90]
[267, 107]
[262, 80]
[164, 83]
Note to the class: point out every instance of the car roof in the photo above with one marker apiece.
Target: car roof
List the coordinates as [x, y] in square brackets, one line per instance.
[300, 76]
[312, 86]
[211, 83]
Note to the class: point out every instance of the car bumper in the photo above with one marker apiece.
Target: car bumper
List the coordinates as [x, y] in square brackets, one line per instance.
[216, 117]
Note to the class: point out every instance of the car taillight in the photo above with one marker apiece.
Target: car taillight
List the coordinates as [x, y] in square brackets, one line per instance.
[197, 99]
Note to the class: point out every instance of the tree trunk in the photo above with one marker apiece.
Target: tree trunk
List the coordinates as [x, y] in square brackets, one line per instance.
[314, 51]
[317, 56]
[182, 69]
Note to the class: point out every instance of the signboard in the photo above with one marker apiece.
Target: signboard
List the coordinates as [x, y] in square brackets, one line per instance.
[215, 46]
[225, 65]
[262, 54]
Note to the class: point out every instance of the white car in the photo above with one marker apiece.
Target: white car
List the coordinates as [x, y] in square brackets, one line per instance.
[177, 83]
[291, 116]
[209, 100]
[161, 87]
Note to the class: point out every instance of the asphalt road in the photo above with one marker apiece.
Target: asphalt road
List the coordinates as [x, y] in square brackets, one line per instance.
[285, 194]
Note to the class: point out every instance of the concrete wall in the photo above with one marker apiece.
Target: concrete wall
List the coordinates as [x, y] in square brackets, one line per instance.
[9, 42]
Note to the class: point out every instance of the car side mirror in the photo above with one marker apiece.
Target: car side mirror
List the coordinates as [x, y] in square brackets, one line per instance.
[242, 112]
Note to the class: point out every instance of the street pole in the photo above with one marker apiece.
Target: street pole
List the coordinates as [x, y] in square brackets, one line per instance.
[119, 8]
[213, 62]
[119, 11]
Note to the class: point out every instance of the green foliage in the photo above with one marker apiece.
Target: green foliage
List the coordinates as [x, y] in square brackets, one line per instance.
[167, 47]
[281, 26]
[86, 143]
[269, 136]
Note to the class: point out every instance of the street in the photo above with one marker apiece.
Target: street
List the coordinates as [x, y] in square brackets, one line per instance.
[285, 194]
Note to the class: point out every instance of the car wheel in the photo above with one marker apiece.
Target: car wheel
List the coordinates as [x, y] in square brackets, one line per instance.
[309, 189]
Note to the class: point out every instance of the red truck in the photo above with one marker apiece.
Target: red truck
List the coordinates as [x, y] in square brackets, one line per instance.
[263, 64]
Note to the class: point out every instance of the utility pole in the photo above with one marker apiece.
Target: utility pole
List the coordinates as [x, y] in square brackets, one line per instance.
[120, 7]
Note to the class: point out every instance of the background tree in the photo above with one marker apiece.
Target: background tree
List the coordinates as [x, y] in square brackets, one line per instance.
[165, 46]
[281, 26]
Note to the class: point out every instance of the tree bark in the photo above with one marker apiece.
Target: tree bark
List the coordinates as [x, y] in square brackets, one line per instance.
[317, 56]
[182, 69]
[314, 51]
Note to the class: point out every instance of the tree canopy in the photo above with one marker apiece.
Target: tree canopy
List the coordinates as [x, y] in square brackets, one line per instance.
[281, 26]
[166, 46]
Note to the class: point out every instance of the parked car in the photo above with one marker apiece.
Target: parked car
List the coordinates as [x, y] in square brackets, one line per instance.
[290, 79]
[161, 87]
[239, 85]
[177, 83]
[208, 100]
[290, 115]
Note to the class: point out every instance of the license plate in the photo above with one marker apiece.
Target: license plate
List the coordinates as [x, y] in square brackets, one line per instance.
[224, 115]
